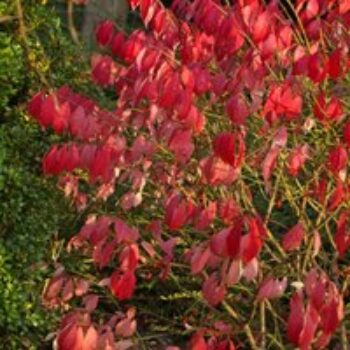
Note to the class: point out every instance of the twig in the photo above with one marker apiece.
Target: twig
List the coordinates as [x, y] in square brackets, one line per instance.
[70, 17]
[250, 336]
[344, 339]
[4, 19]
[247, 328]
[230, 311]
[24, 39]
[263, 325]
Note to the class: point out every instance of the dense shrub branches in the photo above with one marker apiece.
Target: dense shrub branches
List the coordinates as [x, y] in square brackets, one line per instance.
[226, 157]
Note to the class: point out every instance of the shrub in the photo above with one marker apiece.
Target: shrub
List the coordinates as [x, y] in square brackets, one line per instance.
[218, 183]
[32, 209]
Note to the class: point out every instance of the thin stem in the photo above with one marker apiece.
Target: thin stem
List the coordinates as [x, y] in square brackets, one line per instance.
[70, 17]
[344, 338]
[272, 200]
[4, 19]
[24, 39]
[263, 325]
[230, 311]
[250, 336]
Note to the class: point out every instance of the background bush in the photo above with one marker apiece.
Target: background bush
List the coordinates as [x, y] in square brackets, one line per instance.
[32, 210]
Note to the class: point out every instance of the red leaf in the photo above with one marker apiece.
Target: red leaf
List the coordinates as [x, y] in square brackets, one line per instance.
[282, 102]
[50, 164]
[134, 4]
[269, 163]
[70, 336]
[293, 238]
[124, 233]
[177, 212]
[68, 290]
[81, 287]
[328, 112]
[217, 172]
[205, 216]
[123, 285]
[252, 242]
[338, 196]
[117, 45]
[346, 133]
[104, 32]
[90, 302]
[251, 269]
[271, 288]
[47, 111]
[332, 312]
[147, 9]
[296, 318]
[237, 110]
[310, 326]
[315, 287]
[233, 239]
[213, 291]
[312, 9]
[35, 104]
[181, 144]
[334, 64]
[344, 7]
[103, 70]
[261, 26]
[199, 259]
[127, 326]
[317, 243]
[280, 139]
[202, 81]
[297, 159]
[230, 148]
[198, 342]
[129, 258]
[342, 236]
[338, 159]
[229, 210]
[234, 273]
[170, 91]
[90, 339]
[218, 243]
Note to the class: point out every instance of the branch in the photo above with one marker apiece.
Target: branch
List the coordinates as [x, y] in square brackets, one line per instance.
[70, 17]
[24, 39]
[4, 19]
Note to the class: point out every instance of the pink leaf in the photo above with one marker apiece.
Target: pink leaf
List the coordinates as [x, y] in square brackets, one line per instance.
[293, 238]
[251, 270]
[127, 326]
[297, 159]
[213, 291]
[272, 288]
[199, 260]
[234, 273]
[90, 302]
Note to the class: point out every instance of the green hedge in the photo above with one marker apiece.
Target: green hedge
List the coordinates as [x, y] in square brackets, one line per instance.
[32, 209]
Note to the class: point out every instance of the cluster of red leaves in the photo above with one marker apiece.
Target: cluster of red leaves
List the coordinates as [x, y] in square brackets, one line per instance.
[324, 310]
[208, 97]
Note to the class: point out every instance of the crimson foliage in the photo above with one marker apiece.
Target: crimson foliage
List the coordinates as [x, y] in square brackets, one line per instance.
[224, 115]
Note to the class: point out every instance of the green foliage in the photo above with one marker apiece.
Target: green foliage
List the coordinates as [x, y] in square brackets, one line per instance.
[10, 73]
[32, 209]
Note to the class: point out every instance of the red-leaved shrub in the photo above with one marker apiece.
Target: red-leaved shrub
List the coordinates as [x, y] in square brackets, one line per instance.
[226, 160]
